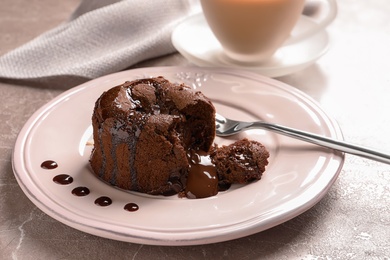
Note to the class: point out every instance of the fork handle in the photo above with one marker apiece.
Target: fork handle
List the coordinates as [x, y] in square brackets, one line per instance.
[323, 141]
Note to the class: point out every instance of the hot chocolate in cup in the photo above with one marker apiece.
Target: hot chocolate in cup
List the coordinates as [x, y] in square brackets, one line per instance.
[251, 31]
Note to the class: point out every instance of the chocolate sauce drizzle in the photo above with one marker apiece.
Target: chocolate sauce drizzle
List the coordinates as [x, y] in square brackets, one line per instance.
[101, 171]
[63, 179]
[80, 191]
[103, 201]
[49, 165]
[66, 179]
[131, 207]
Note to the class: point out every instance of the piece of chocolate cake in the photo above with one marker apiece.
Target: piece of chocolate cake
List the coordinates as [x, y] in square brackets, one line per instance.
[241, 162]
[142, 131]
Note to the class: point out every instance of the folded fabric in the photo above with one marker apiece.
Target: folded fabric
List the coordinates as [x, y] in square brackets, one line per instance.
[100, 37]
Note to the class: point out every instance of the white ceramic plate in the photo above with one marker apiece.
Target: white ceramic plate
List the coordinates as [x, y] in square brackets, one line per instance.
[297, 177]
[195, 41]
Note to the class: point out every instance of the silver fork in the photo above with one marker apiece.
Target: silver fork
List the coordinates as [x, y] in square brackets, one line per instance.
[227, 127]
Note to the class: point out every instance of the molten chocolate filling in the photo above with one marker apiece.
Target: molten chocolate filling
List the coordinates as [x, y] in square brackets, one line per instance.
[202, 181]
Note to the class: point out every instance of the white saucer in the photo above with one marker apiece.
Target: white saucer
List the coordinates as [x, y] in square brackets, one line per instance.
[195, 41]
[297, 177]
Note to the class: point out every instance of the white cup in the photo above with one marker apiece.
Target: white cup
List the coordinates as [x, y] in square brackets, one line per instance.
[251, 31]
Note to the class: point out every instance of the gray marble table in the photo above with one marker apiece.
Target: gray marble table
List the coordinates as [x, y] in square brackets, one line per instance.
[351, 82]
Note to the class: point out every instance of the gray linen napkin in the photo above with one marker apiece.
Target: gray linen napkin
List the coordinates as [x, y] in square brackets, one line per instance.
[100, 37]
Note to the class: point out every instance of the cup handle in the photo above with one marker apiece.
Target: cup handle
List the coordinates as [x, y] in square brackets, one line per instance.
[321, 25]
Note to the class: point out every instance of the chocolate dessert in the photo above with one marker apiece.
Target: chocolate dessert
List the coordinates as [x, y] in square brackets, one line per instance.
[156, 137]
[241, 162]
[142, 131]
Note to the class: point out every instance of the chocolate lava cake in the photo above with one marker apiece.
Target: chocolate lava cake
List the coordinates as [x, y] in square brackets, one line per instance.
[156, 137]
[142, 131]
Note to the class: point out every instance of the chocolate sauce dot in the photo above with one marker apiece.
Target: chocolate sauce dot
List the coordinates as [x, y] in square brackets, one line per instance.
[103, 201]
[63, 179]
[80, 191]
[131, 207]
[49, 165]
